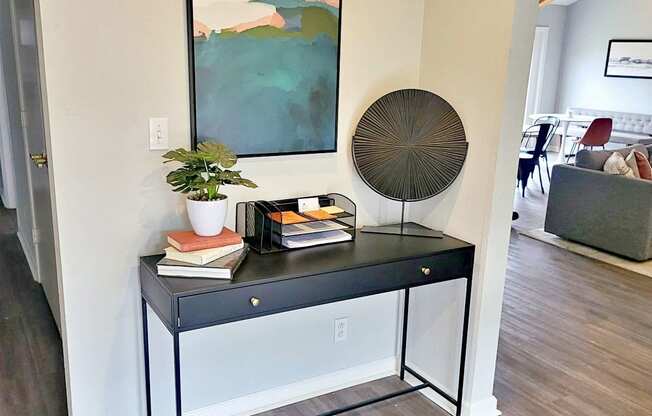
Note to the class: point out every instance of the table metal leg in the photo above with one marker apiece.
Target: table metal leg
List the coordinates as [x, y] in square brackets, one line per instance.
[404, 368]
[177, 374]
[406, 308]
[148, 391]
[465, 337]
[564, 136]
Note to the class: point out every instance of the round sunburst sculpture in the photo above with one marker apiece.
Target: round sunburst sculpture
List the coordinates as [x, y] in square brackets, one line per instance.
[410, 145]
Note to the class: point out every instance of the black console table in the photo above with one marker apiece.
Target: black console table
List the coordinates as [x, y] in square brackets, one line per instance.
[275, 283]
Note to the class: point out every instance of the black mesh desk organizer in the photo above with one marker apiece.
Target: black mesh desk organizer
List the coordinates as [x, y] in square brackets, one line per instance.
[263, 234]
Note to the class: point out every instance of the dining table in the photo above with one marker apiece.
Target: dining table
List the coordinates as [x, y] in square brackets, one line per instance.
[565, 121]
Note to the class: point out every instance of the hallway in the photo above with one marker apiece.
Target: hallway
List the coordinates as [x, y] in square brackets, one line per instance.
[575, 338]
[576, 334]
[32, 381]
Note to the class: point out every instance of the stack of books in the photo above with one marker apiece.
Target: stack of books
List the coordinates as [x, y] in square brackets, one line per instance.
[190, 255]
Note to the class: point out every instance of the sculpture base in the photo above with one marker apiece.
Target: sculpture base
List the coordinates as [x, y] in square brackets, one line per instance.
[409, 229]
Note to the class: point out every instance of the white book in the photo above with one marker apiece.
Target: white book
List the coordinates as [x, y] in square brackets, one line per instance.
[222, 268]
[312, 227]
[315, 239]
[201, 257]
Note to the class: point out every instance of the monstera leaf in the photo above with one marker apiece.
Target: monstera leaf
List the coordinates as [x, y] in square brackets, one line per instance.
[218, 153]
[204, 170]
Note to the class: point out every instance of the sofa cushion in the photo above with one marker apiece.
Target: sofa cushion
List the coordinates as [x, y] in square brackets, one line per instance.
[643, 166]
[616, 165]
[595, 159]
[630, 160]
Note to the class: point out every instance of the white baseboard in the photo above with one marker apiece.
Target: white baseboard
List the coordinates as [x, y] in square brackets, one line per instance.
[307, 389]
[29, 255]
[486, 407]
[299, 391]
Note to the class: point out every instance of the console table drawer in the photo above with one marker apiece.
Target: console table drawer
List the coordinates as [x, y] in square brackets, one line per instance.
[268, 298]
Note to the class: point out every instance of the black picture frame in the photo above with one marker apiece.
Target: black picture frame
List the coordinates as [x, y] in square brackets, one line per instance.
[193, 96]
[609, 50]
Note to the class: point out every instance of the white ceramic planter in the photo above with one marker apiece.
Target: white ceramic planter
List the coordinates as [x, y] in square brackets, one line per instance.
[207, 217]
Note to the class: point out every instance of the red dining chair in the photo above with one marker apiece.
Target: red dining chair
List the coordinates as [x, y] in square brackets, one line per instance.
[598, 134]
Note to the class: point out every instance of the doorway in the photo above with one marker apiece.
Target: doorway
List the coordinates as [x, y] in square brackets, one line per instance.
[23, 83]
[537, 69]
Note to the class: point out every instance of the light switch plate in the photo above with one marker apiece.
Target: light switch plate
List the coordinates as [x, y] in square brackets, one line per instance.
[158, 134]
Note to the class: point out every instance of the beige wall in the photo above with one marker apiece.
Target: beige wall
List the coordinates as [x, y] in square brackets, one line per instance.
[475, 57]
[111, 65]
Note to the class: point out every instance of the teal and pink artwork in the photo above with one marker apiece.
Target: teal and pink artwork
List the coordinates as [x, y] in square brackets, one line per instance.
[265, 74]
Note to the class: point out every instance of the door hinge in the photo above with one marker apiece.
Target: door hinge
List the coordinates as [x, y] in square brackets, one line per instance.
[178, 321]
[36, 236]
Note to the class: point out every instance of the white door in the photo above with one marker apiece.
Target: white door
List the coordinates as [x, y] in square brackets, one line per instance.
[535, 84]
[31, 102]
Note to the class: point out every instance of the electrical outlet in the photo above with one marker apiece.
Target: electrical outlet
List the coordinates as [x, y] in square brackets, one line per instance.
[36, 236]
[341, 330]
[158, 134]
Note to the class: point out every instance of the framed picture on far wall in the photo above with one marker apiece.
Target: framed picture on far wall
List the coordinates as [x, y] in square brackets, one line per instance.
[264, 74]
[629, 59]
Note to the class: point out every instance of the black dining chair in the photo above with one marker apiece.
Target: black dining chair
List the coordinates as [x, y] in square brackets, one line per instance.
[551, 135]
[528, 161]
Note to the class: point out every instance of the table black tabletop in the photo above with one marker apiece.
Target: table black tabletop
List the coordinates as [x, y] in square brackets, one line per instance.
[367, 249]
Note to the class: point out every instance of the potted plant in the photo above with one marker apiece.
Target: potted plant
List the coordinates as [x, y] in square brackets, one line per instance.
[203, 172]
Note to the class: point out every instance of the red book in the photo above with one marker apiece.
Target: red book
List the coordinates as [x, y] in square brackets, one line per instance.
[185, 241]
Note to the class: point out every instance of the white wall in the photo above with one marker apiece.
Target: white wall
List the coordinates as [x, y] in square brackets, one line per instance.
[7, 179]
[554, 18]
[490, 99]
[103, 82]
[590, 26]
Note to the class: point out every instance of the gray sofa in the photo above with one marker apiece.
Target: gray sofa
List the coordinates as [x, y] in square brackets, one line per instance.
[608, 212]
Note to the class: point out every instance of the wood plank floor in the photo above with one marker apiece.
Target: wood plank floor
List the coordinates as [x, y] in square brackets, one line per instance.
[576, 334]
[576, 338]
[31, 359]
[409, 405]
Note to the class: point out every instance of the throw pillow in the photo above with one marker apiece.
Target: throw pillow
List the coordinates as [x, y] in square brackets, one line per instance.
[633, 165]
[644, 167]
[616, 165]
[594, 159]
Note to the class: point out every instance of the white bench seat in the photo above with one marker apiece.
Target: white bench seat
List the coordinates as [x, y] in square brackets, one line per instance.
[629, 128]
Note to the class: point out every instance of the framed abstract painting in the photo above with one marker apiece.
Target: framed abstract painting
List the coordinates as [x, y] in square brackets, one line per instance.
[264, 74]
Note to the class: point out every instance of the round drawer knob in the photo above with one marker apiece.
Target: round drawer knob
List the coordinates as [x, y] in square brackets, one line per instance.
[425, 271]
[254, 301]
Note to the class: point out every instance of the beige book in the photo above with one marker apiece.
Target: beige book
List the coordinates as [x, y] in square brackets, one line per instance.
[332, 209]
[201, 257]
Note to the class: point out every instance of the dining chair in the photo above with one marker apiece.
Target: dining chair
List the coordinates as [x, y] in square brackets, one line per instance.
[551, 135]
[598, 134]
[529, 160]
